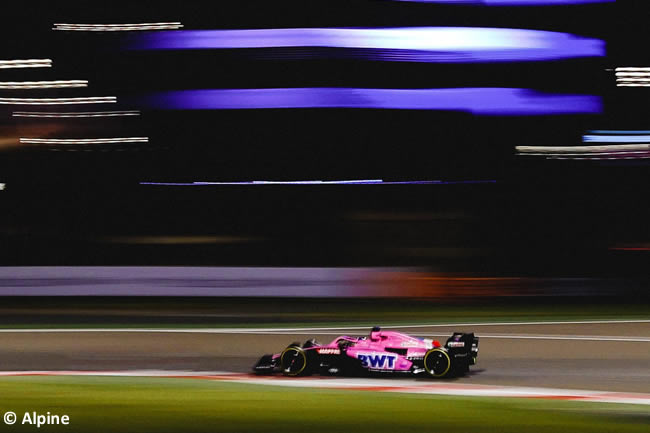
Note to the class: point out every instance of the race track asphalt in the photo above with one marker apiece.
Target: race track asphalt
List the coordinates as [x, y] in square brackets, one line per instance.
[575, 356]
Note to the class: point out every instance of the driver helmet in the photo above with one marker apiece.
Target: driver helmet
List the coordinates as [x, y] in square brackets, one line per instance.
[375, 333]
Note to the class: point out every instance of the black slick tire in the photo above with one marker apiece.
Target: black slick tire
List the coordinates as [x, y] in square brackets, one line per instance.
[437, 363]
[293, 362]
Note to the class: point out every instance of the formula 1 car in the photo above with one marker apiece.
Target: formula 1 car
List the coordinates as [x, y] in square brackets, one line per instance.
[380, 352]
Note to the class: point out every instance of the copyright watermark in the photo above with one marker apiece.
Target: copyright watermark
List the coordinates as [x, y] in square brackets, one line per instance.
[10, 418]
[36, 419]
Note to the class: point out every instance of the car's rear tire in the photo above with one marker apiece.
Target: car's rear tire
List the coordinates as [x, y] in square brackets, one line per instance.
[293, 362]
[437, 363]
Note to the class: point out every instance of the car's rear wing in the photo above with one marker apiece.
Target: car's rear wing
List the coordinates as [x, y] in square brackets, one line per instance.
[463, 345]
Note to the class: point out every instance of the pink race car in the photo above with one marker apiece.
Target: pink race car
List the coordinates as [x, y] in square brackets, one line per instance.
[381, 352]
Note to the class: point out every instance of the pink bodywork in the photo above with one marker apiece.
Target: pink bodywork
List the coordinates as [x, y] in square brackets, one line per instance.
[374, 352]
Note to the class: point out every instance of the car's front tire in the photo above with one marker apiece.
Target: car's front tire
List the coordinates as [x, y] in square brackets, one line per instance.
[437, 363]
[293, 361]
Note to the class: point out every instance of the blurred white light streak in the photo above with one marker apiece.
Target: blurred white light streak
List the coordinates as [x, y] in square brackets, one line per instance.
[27, 63]
[633, 74]
[117, 27]
[633, 80]
[632, 85]
[84, 140]
[73, 114]
[42, 84]
[633, 69]
[59, 101]
[633, 77]
[582, 149]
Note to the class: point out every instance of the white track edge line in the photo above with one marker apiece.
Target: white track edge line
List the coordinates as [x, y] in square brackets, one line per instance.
[334, 328]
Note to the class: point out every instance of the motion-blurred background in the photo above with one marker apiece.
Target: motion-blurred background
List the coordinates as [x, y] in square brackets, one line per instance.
[185, 186]
[491, 211]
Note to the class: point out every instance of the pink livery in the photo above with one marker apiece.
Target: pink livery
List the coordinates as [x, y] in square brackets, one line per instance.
[380, 352]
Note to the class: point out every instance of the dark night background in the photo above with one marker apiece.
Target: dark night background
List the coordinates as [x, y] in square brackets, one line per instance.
[541, 217]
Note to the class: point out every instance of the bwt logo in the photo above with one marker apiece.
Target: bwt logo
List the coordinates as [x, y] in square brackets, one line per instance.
[374, 360]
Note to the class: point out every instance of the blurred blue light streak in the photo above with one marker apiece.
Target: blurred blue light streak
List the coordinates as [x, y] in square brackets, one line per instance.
[618, 138]
[405, 44]
[479, 101]
[321, 182]
[619, 132]
[512, 2]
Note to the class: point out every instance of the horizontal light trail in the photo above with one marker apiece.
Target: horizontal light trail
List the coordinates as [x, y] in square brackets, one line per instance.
[632, 75]
[293, 182]
[415, 44]
[589, 155]
[619, 132]
[56, 84]
[583, 149]
[633, 69]
[633, 85]
[59, 101]
[634, 79]
[599, 158]
[27, 63]
[75, 114]
[619, 138]
[481, 101]
[84, 140]
[511, 2]
[321, 182]
[117, 27]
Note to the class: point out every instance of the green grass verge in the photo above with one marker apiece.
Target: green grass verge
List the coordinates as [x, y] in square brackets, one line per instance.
[117, 404]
